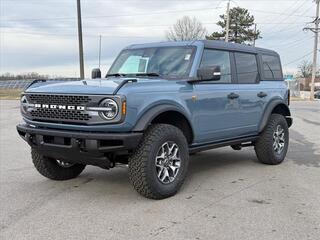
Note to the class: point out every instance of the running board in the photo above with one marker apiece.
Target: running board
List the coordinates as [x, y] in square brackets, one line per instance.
[208, 146]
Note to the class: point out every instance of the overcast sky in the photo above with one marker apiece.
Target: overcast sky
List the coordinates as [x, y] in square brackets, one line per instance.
[41, 35]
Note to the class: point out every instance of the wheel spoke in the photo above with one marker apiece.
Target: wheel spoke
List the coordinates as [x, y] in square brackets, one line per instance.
[165, 174]
[160, 171]
[175, 153]
[171, 148]
[275, 145]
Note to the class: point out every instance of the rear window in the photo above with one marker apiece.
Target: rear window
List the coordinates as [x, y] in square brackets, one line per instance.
[271, 67]
[247, 67]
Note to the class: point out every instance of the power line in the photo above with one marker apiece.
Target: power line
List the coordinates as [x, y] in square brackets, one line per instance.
[208, 8]
[281, 29]
[298, 59]
[147, 26]
[114, 16]
[290, 44]
[53, 1]
[74, 35]
[292, 12]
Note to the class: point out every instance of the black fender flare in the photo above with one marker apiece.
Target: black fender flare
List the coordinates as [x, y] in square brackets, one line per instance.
[268, 110]
[146, 119]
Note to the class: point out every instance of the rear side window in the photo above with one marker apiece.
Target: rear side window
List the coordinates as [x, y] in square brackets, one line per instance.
[218, 58]
[247, 67]
[271, 67]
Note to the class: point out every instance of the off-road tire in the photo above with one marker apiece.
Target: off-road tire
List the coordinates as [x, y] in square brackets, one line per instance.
[49, 168]
[142, 170]
[264, 145]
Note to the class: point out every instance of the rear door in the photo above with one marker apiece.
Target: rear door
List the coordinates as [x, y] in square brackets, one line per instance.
[252, 95]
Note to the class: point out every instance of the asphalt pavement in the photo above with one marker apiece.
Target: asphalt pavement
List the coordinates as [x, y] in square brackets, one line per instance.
[227, 194]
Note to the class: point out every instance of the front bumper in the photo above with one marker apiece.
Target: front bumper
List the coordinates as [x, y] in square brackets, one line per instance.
[90, 148]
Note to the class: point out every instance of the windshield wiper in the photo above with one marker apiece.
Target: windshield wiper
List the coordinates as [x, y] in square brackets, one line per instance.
[150, 74]
[116, 75]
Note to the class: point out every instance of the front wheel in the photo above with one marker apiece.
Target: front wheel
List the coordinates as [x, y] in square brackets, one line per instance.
[55, 169]
[159, 165]
[272, 144]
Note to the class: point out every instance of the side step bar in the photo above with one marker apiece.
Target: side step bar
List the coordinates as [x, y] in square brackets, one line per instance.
[208, 146]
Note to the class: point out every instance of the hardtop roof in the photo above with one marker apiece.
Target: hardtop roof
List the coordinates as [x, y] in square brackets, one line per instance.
[207, 44]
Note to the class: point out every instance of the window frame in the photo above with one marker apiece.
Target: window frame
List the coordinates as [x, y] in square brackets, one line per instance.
[232, 66]
[264, 78]
[258, 66]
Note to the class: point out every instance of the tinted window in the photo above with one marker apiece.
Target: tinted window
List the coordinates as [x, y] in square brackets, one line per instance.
[271, 67]
[218, 58]
[247, 68]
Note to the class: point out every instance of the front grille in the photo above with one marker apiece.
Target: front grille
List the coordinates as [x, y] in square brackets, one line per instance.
[60, 114]
[59, 99]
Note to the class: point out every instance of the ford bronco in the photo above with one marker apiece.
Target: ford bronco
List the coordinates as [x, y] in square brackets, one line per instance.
[158, 104]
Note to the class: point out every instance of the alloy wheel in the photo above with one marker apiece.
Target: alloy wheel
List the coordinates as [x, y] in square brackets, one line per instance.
[279, 139]
[168, 162]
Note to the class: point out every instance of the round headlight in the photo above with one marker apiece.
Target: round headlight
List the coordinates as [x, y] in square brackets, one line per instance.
[111, 109]
[24, 103]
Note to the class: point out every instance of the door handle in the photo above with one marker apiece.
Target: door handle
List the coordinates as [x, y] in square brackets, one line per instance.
[233, 96]
[262, 94]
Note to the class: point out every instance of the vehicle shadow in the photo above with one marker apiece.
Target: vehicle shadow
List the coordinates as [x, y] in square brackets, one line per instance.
[201, 165]
[208, 163]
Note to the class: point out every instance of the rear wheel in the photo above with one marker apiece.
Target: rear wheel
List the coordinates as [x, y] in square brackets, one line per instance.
[55, 169]
[272, 144]
[159, 165]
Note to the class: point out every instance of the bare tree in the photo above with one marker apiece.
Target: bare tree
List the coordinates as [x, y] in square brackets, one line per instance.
[305, 69]
[186, 29]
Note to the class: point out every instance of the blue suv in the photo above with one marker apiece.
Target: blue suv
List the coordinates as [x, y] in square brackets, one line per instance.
[158, 104]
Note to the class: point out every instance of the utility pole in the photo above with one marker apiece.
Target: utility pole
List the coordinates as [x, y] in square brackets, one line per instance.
[80, 40]
[315, 51]
[99, 51]
[228, 22]
[315, 48]
[255, 32]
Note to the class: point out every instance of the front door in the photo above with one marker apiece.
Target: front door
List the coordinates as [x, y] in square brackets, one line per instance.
[216, 102]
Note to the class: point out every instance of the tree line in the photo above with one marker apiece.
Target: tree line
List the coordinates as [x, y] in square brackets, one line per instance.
[241, 28]
[31, 75]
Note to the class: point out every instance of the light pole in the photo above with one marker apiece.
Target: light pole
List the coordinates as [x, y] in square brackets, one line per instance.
[315, 49]
[80, 40]
[227, 22]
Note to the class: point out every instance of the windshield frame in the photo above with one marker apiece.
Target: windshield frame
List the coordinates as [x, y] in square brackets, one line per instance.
[186, 76]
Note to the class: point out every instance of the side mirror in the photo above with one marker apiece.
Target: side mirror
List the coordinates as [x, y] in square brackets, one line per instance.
[210, 73]
[96, 73]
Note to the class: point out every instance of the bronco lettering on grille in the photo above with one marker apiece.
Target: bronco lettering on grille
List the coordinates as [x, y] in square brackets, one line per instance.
[54, 106]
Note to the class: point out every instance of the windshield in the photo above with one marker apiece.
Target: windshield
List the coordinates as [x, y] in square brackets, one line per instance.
[170, 62]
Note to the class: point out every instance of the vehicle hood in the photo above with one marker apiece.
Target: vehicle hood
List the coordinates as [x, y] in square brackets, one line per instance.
[100, 86]
[87, 86]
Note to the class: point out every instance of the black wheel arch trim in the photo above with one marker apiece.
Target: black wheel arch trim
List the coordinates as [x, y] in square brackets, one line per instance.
[268, 110]
[146, 119]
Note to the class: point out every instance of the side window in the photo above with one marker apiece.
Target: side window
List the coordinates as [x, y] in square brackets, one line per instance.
[247, 67]
[271, 67]
[218, 58]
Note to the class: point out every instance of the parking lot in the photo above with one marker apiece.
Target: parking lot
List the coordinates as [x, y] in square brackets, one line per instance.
[227, 194]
